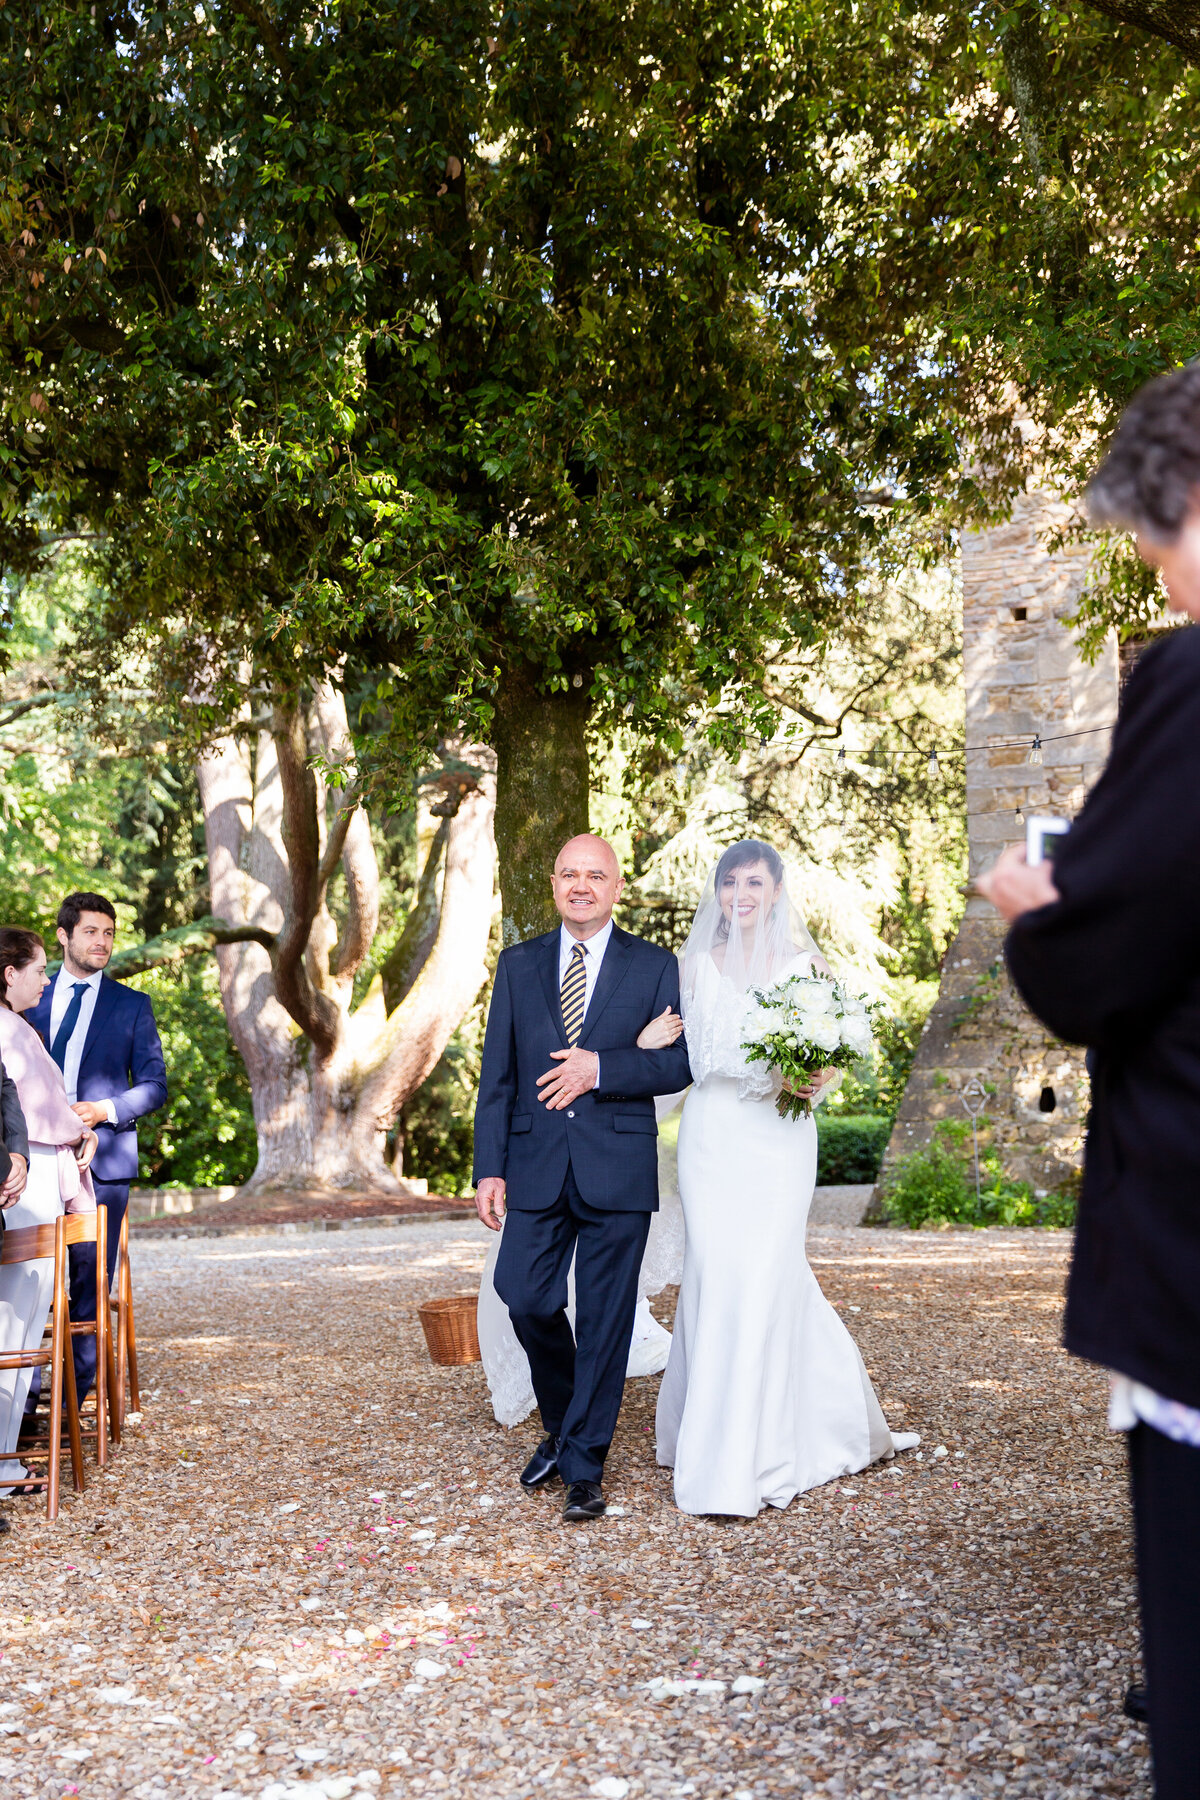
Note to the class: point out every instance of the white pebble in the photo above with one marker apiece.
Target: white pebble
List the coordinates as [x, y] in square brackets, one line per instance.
[611, 1787]
[291, 1506]
[640, 1625]
[940, 1452]
[428, 1671]
[748, 1684]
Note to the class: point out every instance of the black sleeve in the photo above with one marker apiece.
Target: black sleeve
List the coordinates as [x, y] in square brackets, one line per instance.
[1105, 960]
[497, 1082]
[16, 1137]
[643, 1073]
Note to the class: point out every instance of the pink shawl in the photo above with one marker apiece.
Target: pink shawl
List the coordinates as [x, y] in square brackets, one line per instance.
[48, 1117]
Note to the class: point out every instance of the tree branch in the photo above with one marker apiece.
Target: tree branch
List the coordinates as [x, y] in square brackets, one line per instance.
[186, 940]
[356, 851]
[1177, 22]
[314, 1012]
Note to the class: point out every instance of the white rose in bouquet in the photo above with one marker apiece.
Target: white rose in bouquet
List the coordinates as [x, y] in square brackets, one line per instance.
[803, 1025]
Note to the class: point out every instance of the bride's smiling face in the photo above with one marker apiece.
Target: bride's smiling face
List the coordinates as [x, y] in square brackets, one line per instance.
[747, 894]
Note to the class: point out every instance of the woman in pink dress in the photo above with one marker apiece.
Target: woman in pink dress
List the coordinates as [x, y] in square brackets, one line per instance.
[60, 1149]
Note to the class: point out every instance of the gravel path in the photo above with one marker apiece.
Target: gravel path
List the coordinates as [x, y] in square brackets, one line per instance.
[312, 1573]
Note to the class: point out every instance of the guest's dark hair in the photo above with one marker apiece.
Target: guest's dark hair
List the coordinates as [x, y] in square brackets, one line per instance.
[76, 904]
[18, 948]
[1150, 477]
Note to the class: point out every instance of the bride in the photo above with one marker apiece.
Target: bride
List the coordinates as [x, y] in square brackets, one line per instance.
[765, 1394]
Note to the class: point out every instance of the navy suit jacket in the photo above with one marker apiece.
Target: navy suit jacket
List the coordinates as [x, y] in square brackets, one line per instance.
[608, 1137]
[122, 1061]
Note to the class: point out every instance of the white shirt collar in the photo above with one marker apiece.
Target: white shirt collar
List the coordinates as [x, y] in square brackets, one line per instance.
[593, 946]
[68, 981]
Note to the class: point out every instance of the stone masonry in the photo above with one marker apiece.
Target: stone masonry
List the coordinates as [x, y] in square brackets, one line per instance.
[1024, 679]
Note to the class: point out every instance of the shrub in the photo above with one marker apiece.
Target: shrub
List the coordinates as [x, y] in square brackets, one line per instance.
[204, 1136]
[850, 1148]
[936, 1186]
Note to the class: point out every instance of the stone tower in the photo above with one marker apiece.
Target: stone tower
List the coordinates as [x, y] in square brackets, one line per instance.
[1024, 679]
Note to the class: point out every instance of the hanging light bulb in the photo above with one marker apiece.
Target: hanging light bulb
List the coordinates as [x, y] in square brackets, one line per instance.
[1020, 817]
[841, 758]
[1035, 749]
[934, 766]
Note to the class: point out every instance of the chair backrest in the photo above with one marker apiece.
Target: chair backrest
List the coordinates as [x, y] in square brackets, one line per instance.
[26, 1243]
[30, 1241]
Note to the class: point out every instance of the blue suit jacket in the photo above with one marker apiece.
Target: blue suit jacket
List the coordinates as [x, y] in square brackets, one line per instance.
[122, 1061]
[609, 1137]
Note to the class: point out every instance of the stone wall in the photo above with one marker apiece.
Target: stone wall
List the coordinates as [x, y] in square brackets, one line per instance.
[1024, 678]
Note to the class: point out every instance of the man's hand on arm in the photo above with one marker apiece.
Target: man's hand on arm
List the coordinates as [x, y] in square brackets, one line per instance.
[1014, 887]
[93, 1112]
[577, 1073]
[14, 1185]
[489, 1201]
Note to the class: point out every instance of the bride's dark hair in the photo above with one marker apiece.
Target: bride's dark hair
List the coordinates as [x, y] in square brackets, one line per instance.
[740, 856]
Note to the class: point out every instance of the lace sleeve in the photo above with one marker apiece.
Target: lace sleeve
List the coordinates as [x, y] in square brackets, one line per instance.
[717, 1016]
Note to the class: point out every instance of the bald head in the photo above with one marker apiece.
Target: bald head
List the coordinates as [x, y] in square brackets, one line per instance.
[587, 883]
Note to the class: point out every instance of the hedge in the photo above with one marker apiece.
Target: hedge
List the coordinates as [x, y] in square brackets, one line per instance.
[849, 1148]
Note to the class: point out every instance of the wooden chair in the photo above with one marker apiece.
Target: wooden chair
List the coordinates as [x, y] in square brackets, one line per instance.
[26, 1244]
[122, 1344]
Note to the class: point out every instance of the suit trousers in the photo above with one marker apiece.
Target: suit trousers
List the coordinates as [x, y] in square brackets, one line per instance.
[579, 1381]
[114, 1197]
[1165, 1479]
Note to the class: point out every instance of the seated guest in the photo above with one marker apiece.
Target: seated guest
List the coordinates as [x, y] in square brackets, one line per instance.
[60, 1148]
[103, 1037]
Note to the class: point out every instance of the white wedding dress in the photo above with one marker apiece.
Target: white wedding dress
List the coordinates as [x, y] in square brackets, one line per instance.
[765, 1394]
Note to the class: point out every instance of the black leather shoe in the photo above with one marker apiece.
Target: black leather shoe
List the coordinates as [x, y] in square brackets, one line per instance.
[1136, 1706]
[585, 1501]
[542, 1465]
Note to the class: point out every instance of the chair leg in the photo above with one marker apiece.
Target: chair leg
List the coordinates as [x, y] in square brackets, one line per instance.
[102, 1323]
[116, 1384]
[135, 1396]
[72, 1407]
[60, 1350]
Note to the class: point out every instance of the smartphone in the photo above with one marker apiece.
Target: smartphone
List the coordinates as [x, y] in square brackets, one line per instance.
[1037, 829]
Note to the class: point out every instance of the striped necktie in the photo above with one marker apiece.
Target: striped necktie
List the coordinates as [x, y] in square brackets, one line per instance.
[573, 995]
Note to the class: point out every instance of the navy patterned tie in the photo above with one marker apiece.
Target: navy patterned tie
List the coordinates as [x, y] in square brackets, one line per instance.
[62, 1036]
[573, 995]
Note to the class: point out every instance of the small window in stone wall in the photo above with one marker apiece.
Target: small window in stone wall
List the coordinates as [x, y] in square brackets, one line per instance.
[1020, 614]
[1047, 1103]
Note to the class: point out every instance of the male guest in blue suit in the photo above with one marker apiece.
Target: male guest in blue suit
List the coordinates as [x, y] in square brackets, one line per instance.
[566, 1144]
[103, 1037]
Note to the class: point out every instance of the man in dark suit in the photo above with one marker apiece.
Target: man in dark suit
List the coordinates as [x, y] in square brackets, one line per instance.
[566, 1141]
[103, 1037]
[1105, 947]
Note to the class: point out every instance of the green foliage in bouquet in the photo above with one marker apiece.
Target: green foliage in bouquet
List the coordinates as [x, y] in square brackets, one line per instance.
[802, 1026]
[936, 1186]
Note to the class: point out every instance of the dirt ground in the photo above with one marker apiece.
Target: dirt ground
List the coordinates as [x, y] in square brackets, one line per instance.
[311, 1573]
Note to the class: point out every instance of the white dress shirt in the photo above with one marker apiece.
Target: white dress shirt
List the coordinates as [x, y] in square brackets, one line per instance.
[60, 999]
[593, 955]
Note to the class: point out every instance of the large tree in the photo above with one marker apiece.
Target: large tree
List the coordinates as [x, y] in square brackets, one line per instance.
[453, 341]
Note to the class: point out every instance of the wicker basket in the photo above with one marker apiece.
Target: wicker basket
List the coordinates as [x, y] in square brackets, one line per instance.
[449, 1327]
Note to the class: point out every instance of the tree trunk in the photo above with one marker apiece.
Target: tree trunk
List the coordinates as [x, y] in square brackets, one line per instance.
[322, 1113]
[542, 786]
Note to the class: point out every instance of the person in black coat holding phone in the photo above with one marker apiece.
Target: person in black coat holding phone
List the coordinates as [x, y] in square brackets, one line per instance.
[1104, 946]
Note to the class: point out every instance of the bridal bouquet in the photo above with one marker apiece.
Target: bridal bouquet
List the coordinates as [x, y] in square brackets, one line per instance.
[803, 1025]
